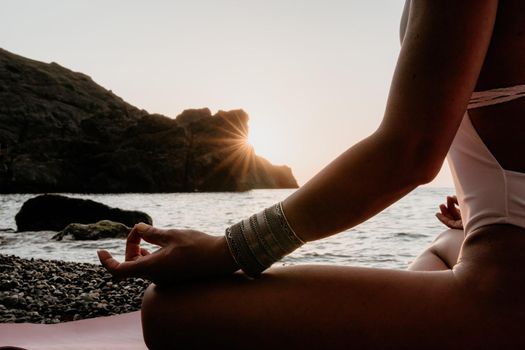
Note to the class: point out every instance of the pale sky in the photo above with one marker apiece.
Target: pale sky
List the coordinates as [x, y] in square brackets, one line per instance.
[312, 75]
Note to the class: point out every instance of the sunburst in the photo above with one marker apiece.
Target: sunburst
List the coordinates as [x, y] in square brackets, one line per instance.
[240, 156]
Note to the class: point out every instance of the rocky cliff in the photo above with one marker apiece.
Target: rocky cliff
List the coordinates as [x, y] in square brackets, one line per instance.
[61, 132]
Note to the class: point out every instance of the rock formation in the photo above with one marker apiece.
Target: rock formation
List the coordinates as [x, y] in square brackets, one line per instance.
[61, 132]
[97, 230]
[55, 212]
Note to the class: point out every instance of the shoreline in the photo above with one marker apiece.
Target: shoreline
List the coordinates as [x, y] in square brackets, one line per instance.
[54, 291]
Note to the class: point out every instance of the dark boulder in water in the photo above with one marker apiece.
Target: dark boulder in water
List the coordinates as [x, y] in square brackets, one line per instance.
[98, 230]
[62, 132]
[54, 212]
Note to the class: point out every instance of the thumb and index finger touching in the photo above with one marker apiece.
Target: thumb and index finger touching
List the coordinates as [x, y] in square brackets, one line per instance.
[141, 232]
[148, 233]
[134, 266]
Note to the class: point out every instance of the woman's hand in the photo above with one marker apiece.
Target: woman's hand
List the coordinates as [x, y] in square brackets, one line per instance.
[450, 215]
[183, 255]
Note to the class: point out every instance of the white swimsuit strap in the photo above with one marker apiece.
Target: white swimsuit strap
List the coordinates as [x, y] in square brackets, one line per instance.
[495, 96]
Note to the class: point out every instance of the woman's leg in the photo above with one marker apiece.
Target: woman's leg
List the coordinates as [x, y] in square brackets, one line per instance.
[311, 306]
[306, 306]
[476, 305]
[442, 254]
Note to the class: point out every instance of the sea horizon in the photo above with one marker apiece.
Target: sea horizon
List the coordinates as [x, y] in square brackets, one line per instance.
[390, 239]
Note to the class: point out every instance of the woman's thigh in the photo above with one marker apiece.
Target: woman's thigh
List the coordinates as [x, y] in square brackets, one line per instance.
[477, 305]
[312, 306]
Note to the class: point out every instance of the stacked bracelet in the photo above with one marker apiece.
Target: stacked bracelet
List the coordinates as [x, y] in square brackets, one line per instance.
[262, 239]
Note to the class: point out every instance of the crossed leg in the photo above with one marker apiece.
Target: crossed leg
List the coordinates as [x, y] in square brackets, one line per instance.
[347, 307]
[312, 306]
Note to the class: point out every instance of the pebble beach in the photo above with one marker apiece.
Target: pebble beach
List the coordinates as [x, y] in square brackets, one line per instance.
[52, 291]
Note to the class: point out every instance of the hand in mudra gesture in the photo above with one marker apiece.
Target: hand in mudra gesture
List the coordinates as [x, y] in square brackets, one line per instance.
[450, 215]
[182, 255]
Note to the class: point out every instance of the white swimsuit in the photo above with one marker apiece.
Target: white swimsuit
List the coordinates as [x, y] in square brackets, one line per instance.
[487, 193]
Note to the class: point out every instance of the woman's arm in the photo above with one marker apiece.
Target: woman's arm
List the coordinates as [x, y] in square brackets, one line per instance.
[440, 60]
[438, 66]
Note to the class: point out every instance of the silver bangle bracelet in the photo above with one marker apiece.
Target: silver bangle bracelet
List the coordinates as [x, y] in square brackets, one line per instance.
[261, 240]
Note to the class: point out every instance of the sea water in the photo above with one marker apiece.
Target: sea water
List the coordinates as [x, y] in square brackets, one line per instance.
[391, 239]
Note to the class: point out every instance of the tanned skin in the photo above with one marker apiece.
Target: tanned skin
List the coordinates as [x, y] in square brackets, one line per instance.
[450, 49]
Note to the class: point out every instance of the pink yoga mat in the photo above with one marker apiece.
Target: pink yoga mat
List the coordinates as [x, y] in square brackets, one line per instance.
[112, 332]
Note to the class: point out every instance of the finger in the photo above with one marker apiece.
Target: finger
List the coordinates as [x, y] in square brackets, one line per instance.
[121, 269]
[453, 210]
[450, 223]
[115, 267]
[443, 208]
[444, 220]
[133, 245]
[144, 252]
[450, 202]
[107, 260]
[142, 231]
[444, 211]
[151, 234]
[456, 214]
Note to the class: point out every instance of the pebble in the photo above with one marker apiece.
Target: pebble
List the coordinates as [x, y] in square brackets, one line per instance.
[50, 291]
